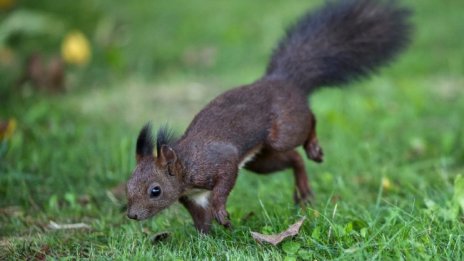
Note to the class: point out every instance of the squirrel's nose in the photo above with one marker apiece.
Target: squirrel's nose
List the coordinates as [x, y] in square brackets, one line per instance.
[132, 216]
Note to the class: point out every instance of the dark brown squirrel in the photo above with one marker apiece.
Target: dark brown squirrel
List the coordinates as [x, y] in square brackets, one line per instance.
[258, 126]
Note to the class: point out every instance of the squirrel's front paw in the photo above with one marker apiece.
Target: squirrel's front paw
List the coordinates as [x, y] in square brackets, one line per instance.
[222, 218]
[314, 152]
[303, 197]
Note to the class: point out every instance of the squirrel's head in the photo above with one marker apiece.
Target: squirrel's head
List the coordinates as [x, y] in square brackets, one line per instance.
[156, 181]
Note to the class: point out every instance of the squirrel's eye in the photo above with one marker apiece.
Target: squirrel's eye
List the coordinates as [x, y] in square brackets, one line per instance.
[155, 192]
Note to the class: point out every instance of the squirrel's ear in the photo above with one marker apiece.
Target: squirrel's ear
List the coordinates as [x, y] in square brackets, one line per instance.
[167, 155]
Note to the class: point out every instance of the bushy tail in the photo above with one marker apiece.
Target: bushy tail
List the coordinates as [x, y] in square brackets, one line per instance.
[345, 40]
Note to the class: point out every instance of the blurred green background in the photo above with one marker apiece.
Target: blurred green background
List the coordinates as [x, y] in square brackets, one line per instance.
[79, 78]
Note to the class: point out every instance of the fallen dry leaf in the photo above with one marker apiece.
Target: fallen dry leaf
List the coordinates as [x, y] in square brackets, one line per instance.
[42, 253]
[84, 200]
[158, 237]
[277, 238]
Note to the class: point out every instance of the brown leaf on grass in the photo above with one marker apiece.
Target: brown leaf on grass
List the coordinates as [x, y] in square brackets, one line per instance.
[42, 253]
[277, 238]
[158, 237]
[84, 200]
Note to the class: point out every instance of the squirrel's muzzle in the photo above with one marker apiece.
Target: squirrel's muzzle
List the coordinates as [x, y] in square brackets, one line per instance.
[132, 215]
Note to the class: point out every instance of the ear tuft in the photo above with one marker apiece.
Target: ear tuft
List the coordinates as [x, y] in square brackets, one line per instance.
[145, 142]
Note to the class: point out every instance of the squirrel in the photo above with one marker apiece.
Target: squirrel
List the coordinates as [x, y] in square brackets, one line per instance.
[258, 126]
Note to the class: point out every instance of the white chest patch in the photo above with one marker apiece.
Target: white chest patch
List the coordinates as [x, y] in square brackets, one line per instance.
[199, 196]
[249, 156]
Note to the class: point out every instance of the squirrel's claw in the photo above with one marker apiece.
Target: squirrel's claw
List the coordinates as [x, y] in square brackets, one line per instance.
[222, 218]
[303, 198]
[314, 152]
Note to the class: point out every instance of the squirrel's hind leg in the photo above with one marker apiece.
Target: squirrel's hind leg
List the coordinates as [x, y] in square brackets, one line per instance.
[311, 145]
[294, 124]
[268, 161]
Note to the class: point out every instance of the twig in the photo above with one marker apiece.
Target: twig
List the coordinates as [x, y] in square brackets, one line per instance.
[56, 226]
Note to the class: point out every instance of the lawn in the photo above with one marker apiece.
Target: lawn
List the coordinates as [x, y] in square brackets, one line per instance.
[394, 148]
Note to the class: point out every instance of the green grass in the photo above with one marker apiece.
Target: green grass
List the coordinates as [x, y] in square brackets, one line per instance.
[404, 126]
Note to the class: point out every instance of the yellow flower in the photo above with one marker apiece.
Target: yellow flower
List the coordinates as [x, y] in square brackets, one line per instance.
[75, 48]
[386, 183]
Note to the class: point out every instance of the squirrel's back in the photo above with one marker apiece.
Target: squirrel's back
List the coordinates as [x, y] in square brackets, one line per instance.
[340, 42]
